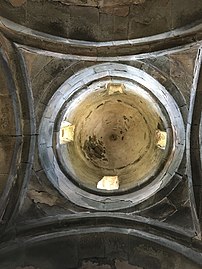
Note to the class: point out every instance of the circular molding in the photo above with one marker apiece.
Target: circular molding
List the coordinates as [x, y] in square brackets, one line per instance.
[50, 125]
[135, 48]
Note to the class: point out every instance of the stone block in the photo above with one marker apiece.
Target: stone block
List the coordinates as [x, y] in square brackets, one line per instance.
[120, 27]
[157, 19]
[55, 21]
[14, 10]
[84, 23]
[106, 27]
[182, 13]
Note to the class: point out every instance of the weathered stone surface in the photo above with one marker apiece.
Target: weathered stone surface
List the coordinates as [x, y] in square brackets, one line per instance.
[156, 20]
[94, 265]
[125, 265]
[182, 217]
[182, 69]
[16, 14]
[106, 21]
[160, 211]
[116, 247]
[80, 19]
[50, 23]
[17, 3]
[121, 11]
[3, 180]
[7, 145]
[120, 29]
[183, 7]
[7, 117]
[90, 247]
[45, 256]
[79, 2]
[84, 23]
[116, 3]
[148, 256]
[47, 229]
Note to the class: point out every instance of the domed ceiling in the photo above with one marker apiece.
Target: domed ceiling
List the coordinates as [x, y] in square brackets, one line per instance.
[100, 134]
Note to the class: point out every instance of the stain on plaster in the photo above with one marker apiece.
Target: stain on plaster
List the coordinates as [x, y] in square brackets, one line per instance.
[17, 3]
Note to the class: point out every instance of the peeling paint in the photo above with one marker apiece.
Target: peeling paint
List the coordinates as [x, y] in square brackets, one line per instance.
[42, 197]
[125, 265]
[117, 264]
[94, 265]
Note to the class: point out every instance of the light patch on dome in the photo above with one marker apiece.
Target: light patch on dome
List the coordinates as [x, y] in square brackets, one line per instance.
[108, 183]
[113, 88]
[66, 132]
[161, 138]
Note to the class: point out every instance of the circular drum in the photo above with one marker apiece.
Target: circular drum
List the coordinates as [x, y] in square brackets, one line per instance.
[115, 134]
